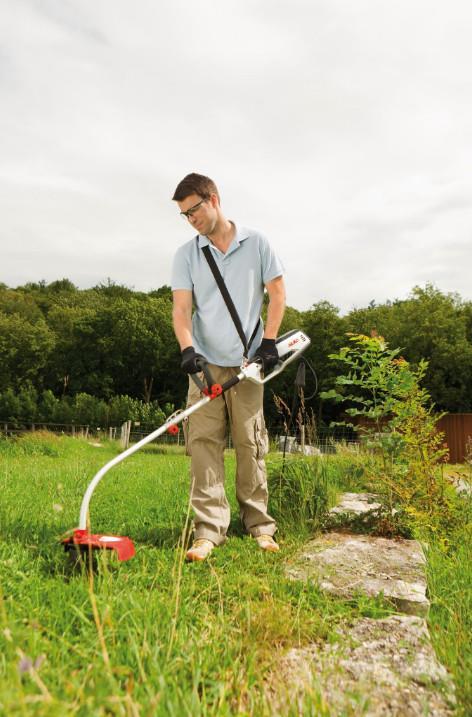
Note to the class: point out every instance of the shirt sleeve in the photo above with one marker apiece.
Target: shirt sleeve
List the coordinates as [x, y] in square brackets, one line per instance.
[180, 276]
[272, 267]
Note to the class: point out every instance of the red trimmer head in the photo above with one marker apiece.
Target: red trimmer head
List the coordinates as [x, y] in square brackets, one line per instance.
[83, 541]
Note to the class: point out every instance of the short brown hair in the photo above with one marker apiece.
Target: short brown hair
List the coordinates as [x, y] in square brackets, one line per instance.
[195, 184]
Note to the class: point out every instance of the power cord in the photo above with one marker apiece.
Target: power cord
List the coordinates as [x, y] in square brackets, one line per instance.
[298, 397]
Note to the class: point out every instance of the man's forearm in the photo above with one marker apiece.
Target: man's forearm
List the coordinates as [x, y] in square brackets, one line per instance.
[275, 314]
[182, 328]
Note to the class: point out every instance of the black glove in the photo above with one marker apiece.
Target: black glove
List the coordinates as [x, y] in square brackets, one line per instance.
[267, 351]
[189, 360]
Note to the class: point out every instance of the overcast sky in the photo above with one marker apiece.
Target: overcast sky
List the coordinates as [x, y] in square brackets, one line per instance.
[342, 130]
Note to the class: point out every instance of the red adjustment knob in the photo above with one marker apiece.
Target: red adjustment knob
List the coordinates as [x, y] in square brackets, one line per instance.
[216, 390]
[173, 430]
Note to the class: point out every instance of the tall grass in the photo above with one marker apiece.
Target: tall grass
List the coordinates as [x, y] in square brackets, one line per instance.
[300, 491]
[450, 592]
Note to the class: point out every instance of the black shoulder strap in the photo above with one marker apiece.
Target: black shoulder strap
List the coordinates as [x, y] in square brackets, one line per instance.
[229, 301]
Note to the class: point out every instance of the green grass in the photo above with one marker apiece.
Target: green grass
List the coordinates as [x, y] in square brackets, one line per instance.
[450, 592]
[152, 636]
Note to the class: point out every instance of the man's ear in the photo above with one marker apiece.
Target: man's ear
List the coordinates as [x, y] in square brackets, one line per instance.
[214, 200]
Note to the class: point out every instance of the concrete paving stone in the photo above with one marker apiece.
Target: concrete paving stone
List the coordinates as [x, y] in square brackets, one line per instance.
[344, 564]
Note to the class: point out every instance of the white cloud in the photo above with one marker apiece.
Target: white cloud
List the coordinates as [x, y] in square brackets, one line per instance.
[342, 130]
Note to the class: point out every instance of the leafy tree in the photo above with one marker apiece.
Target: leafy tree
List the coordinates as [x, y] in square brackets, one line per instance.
[163, 292]
[24, 350]
[61, 286]
[14, 302]
[90, 410]
[48, 407]
[136, 344]
[432, 326]
[10, 405]
[113, 291]
[75, 365]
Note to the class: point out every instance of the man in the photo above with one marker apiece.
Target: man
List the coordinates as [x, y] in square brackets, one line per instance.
[248, 265]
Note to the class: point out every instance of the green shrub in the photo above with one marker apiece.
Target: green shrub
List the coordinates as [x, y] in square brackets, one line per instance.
[397, 420]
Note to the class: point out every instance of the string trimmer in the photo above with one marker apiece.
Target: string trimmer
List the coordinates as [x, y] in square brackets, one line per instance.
[289, 347]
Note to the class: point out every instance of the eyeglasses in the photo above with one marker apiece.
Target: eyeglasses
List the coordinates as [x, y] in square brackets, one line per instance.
[190, 212]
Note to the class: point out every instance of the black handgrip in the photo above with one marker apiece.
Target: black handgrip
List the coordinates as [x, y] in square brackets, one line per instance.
[203, 366]
[197, 381]
[230, 383]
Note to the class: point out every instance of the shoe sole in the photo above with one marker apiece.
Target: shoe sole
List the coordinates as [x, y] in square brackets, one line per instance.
[192, 558]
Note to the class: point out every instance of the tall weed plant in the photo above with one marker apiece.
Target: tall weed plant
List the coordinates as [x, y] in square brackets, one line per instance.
[300, 491]
[396, 419]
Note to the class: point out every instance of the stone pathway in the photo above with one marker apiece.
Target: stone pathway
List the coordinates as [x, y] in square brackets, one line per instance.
[346, 564]
[378, 667]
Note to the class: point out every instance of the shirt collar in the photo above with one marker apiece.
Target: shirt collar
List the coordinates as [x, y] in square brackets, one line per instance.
[240, 236]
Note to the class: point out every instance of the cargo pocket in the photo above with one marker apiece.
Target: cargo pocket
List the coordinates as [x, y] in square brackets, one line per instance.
[261, 437]
[193, 396]
[185, 429]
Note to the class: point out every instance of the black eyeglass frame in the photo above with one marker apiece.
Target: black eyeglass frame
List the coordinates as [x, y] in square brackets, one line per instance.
[190, 212]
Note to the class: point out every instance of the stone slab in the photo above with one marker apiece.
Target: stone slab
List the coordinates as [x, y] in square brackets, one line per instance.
[292, 446]
[463, 486]
[356, 503]
[344, 565]
[373, 668]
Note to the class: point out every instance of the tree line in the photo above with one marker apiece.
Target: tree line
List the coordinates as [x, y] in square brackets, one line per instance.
[108, 353]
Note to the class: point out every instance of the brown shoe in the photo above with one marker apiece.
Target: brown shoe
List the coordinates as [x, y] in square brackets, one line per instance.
[266, 542]
[200, 550]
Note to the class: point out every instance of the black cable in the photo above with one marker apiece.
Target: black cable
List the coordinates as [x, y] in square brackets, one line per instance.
[300, 382]
[299, 386]
[314, 376]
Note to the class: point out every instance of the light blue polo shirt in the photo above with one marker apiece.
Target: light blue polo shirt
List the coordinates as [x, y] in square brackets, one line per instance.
[247, 266]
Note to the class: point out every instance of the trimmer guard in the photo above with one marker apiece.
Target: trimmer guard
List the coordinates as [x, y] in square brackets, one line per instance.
[83, 540]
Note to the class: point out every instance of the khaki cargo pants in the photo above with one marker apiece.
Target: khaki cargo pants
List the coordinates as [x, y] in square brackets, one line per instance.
[205, 433]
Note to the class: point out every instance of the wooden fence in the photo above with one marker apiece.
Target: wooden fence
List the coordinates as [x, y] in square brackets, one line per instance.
[457, 428]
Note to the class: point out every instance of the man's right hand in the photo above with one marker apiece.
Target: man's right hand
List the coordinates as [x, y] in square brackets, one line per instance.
[189, 360]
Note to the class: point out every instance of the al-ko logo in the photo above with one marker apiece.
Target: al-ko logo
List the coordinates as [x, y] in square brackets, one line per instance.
[296, 340]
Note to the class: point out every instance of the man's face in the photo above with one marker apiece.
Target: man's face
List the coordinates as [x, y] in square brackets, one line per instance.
[201, 213]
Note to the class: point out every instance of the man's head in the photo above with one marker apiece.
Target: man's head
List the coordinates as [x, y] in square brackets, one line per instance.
[198, 184]
[199, 202]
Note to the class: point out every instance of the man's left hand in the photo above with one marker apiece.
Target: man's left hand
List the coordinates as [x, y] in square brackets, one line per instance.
[267, 352]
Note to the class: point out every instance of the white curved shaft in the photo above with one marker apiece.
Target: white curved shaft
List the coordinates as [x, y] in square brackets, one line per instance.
[129, 451]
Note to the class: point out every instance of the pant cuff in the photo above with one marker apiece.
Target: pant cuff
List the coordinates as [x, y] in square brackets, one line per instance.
[258, 530]
[207, 534]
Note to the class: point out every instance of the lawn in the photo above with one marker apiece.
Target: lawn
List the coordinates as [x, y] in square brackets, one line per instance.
[155, 636]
